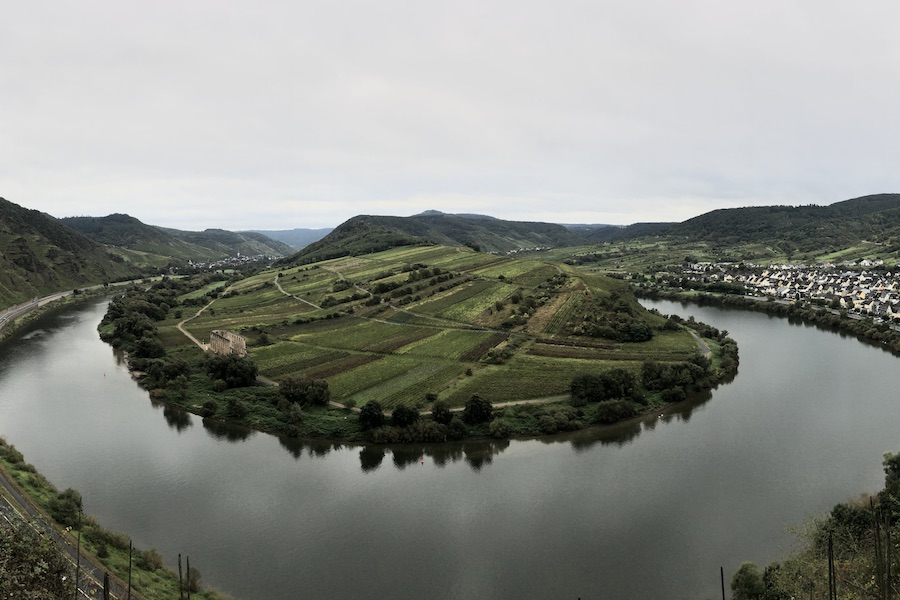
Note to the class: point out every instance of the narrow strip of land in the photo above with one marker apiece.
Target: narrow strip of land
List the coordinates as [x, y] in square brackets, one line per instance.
[16, 507]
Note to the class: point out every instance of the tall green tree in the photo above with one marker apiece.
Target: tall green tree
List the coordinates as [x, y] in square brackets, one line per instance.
[371, 415]
[477, 410]
[404, 416]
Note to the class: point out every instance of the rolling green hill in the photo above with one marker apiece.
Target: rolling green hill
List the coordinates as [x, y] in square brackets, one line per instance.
[39, 254]
[803, 228]
[365, 234]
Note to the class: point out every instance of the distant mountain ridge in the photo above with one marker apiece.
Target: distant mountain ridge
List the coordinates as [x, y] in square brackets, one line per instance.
[295, 238]
[128, 232]
[39, 253]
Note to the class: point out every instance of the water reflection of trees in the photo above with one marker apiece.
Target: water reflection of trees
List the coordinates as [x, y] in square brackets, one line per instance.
[226, 431]
[477, 454]
[313, 449]
[178, 419]
[622, 434]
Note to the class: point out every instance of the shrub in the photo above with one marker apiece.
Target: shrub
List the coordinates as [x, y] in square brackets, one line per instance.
[674, 394]
[385, 435]
[456, 429]
[613, 411]
[150, 560]
[499, 429]
[12, 455]
[235, 410]
[66, 507]
[209, 408]
[101, 537]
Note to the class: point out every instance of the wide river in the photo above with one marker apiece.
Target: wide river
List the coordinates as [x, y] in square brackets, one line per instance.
[648, 510]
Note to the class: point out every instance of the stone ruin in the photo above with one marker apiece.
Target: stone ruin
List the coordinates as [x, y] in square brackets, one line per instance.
[227, 342]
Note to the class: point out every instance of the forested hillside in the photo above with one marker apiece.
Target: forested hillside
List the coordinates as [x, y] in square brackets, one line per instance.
[125, 231]
[39, 254]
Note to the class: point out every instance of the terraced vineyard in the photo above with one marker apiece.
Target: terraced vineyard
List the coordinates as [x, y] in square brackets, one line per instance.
[400, 324]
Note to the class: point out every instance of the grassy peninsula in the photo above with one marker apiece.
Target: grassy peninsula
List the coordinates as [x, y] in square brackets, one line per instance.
[410, 329]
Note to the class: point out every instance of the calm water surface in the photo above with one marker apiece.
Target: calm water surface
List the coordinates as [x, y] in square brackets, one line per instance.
[646, 510]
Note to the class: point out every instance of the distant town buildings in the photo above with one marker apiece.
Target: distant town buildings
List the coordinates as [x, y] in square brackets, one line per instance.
[229, 263]
[875, 293]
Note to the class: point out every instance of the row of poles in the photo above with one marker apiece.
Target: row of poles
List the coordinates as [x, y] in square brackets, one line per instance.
[183, 586]
[883, 557]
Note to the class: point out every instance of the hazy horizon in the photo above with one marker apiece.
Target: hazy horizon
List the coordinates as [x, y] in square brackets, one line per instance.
[303, 115]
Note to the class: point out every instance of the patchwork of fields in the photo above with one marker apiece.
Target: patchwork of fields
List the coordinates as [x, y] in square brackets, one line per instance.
[400, 324]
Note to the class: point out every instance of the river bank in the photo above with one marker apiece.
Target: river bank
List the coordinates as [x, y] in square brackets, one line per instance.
[93, 550]
[865, 329]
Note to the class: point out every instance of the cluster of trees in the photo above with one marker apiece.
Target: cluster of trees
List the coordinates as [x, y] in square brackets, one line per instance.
[621, 393]
[420, 272]
[406, 424]
[524, 306]
[330, 301]
[130, 320]
[674, 380]
[416, 282]
[614, 384]
[304, 391]
[614, 317]
[230, 371]
[130, 324]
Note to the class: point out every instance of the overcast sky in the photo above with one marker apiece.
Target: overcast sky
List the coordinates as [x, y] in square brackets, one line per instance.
[275, 115]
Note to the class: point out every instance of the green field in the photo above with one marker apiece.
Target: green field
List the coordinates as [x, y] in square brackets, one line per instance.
[528, 377]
